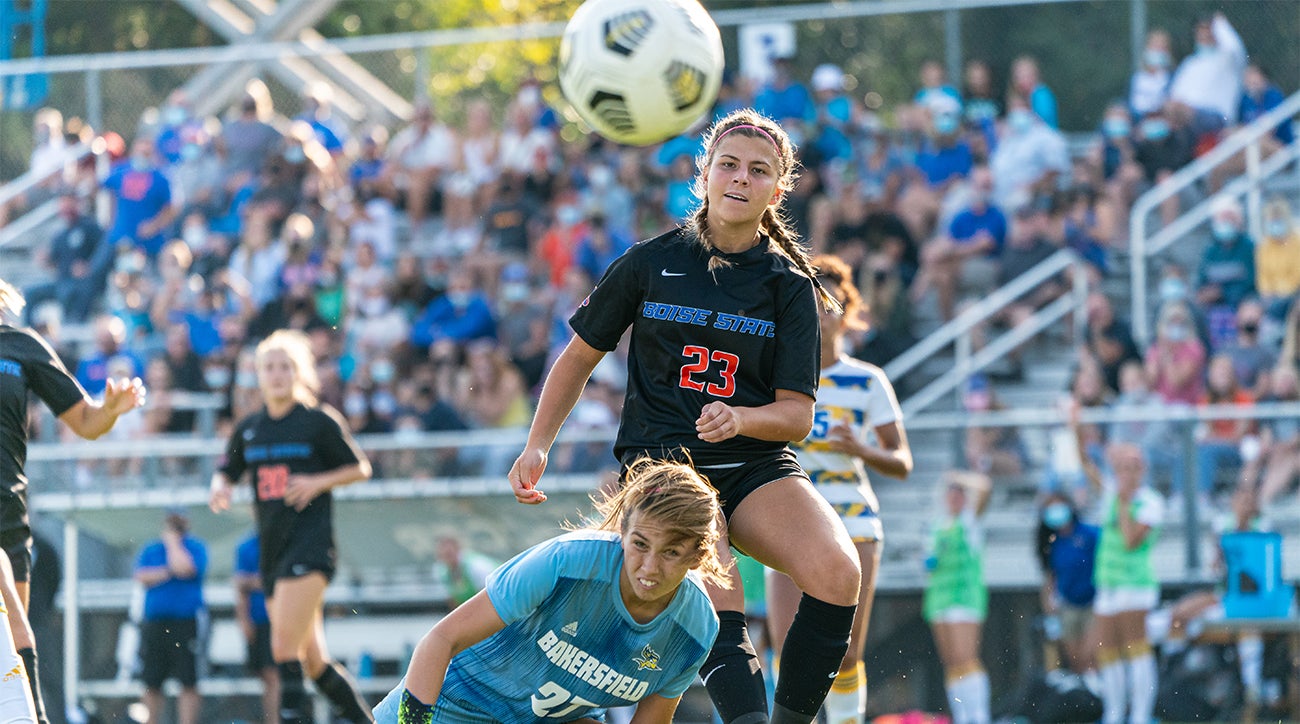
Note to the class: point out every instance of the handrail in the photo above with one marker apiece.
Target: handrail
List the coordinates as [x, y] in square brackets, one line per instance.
[1186, 176]
[27, 223]
[979, 312]
[37, 176]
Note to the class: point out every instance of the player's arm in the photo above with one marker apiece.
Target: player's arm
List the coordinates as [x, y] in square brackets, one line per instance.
[469, 624]
[893, 457]
[788, 417]
[655, 709]
[560, 393]
[302, 489]
[92, 419]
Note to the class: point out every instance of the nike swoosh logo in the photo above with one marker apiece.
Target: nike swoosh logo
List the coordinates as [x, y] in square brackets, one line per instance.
[667, 273]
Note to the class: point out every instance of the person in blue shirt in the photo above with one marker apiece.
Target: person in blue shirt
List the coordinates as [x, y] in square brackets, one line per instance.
[250, 612]
[141, 200]
[1067, 549]
[784, 98]
[600, 246]
[460, 315]
[171, 569]
[1026, 82]
[613, 614]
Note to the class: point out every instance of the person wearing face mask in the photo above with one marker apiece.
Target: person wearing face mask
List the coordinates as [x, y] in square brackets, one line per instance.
[247, 140]
[140, 200]
[460, 315]
[966, 258]
[1067, 553]
[1209, 80]
[1162, 144]
[1277, 260]
[78, 259]
[1175, 362]
[1226, 273]
[1149, 86]
[1029, 157]
[944, 156]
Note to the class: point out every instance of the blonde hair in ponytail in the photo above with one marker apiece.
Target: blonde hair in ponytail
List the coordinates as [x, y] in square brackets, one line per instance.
[749, 122]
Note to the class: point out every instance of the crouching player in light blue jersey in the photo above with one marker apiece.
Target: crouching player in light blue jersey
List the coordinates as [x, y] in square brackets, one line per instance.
[614, 614]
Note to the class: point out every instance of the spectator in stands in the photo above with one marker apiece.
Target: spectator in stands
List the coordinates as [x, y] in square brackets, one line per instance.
[259, 256]
[1157, 438]
[171, 570]
[1028, 84]
[1277, 462]
[1175, 361]
[1149, 87]
[318, 112]
[248, 140]
[1107, 338]
[1277, 260]
[980, 103]
[936, 92]
[492, 391]
[600, 246]
[461, 315]
[955, 602]
[1218, 444]
[1259, 96]
[1291, 337]
[944, 156]
[250, 614]
[784, 98]
[1226, 273]
[1163, 143]
[966, 257]
[1035, 236]
[1067, 553]
[996, 451]
[1029, 158]
[461, 572]
[1209, 80]
[836, 111]
[140, 201]
[1251, 357]
[418, 158]
[80, 260]
[110, 338]
[176, 125]
[557, 248]
[526, 147]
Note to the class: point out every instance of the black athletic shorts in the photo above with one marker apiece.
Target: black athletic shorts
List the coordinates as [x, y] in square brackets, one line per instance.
[169, 648]
[259, 649]
[735, 481]
[297, 561]
[16, 533]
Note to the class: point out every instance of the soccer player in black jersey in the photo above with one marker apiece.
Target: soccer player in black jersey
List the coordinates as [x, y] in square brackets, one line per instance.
[723, 370]
[28, 364]
[295, 451]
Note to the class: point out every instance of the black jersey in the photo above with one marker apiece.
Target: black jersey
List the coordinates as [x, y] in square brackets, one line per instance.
[736, 334]
[307, 440]
[27, 363]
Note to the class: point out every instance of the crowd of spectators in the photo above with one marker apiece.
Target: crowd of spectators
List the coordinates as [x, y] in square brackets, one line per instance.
[435, 266]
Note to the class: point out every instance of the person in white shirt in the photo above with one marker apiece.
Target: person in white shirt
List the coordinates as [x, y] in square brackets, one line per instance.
[1030, 155]
[1149, 87]
[418, 157]
[1209, 80]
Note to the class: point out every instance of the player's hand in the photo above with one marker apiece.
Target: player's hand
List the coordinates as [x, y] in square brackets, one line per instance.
[841, 440]
[123, 395]
[525, 473]
[300, 490]
[219, 497]
[718, 421]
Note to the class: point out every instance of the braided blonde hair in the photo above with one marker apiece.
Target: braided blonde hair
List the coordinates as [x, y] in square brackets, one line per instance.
[752, 124]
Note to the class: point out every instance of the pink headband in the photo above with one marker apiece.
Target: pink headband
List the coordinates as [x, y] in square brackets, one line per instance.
[751, 127]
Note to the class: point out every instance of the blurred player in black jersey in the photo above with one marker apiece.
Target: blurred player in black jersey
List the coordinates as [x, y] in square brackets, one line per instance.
[723, 370]
[28, 364]
[295, 451]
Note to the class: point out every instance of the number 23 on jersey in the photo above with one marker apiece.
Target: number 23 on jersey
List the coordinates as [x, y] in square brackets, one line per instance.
[699, 360]
[272, 481]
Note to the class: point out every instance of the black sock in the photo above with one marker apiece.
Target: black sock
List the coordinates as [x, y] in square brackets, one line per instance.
[293, 694]
[337, 686]
[732, 674]
[413, 711]
[814, 648]
[34, 681]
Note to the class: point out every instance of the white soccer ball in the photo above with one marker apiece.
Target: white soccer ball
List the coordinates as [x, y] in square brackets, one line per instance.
[641, 71]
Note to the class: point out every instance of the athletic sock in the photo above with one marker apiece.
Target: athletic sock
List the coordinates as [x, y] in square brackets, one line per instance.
[338, 687]
[814, 649]
[1250, 652]
[978, 691]
[1114, 687]
[34, 683]
[958, 702]
[732, 675]
[1142, 687]
[847, 701]
[293, 694]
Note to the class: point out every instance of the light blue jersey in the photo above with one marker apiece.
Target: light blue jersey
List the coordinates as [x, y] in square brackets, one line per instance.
[570, 648]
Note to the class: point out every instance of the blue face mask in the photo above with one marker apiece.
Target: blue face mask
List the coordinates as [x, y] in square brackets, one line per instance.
[295, 154]
[1020, 120]
[1155, 129]
[1155, 58]
[1115, 127]
[140, 163]
[1276, 229]
[1203, 48]
[1057, 515]
[946, 124]
[191, 151]
[1224, 230]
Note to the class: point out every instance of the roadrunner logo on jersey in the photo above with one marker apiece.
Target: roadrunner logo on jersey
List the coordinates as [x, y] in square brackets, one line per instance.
[623, 33]
[647, 660]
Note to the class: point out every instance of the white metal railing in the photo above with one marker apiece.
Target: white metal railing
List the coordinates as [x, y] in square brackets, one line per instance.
[958, 331]
[1247, 140]
[35, 177]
